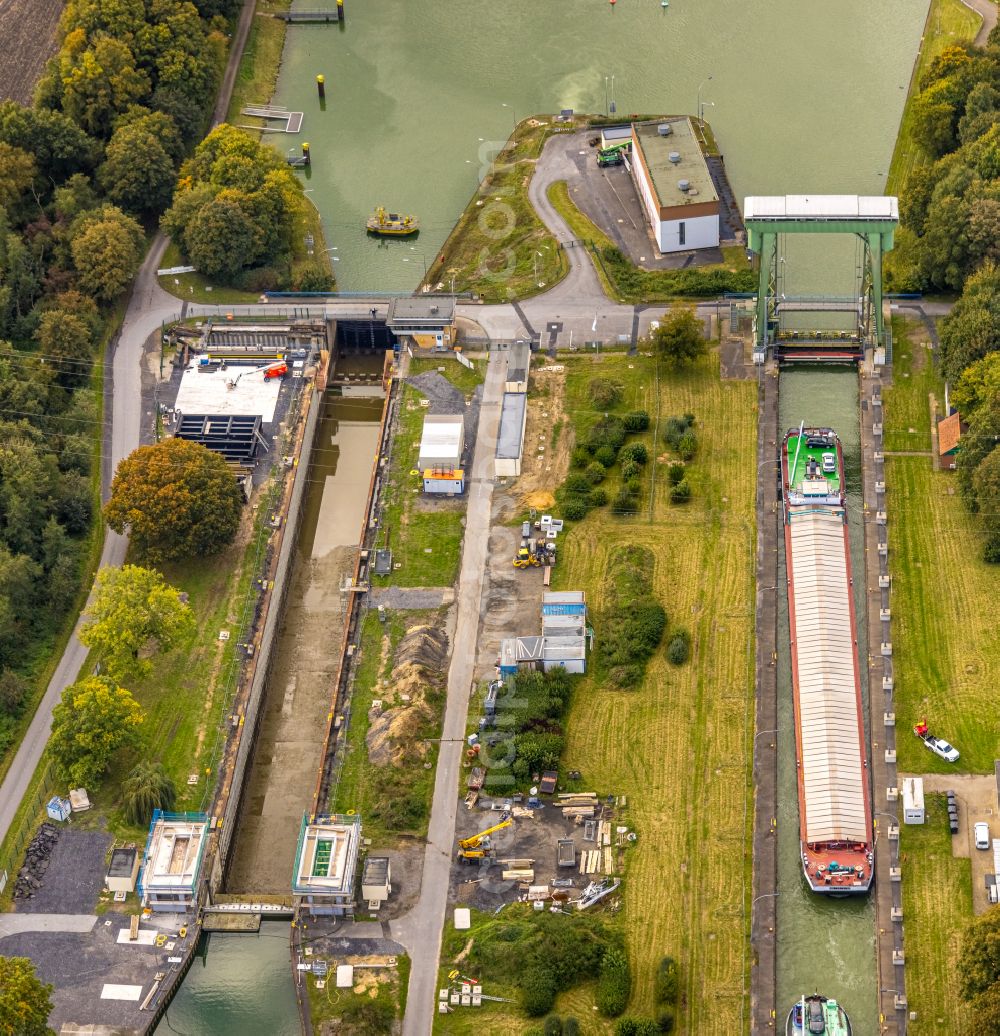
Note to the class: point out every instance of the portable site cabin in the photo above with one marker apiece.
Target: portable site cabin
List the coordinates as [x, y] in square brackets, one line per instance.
[376, 876]
[913, 800]
[440, 459]
[123, 870]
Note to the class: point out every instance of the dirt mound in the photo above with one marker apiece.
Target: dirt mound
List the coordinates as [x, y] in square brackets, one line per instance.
[417, 679]
[540, 500]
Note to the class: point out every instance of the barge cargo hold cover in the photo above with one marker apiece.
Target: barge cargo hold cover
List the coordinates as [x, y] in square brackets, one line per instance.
[834, 804]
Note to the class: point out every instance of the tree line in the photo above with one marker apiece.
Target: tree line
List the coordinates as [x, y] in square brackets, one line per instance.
[84, 174]
[949, 240]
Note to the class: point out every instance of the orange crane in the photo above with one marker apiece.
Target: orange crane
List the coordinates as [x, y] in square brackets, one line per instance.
[278, 369]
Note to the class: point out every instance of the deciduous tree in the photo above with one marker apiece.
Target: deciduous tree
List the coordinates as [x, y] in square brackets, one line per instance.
[147, 787]
[177, 498]
[680, 338]
[979, 962]
[17, 170]
[94, 719]
[25, 1001]
[132, 608]
[107, 250]
[138, 172]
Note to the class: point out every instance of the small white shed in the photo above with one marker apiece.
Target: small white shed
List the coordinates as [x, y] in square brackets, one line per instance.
[913, 800]
[442, 442]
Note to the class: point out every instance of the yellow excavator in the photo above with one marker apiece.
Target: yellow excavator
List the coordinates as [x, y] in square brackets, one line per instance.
[479, 846]
[526, 556]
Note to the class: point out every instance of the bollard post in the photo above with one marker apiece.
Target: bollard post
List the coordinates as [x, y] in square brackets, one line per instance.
[321, 87]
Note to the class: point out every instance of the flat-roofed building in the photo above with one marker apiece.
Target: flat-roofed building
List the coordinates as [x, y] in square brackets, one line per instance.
[510, 436]
[122, 871]
[428, 319]
[172, 860]
[442, 442]
[675, 185]
[326, 863]
[376, 878]
[518, 366]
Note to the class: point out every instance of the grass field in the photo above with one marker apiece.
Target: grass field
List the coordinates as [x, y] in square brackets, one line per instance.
[678, 746]
[425, 535]
[258, 71]
[946, 643]
[499, 248]
[915, 379]
[948, 22]
[937, 895]
[465, 379]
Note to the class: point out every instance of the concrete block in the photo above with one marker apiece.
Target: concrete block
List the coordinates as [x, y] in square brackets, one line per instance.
[880, 488]
[895, 874]
[879, 456]
[887, 683]
[897, 957]
[890, 755]
[884, 614]
[876, 400]
[896, 913]
[892, 794]
[877, 428]
[883, 550]
[889, 719]
[893, 832]
[899, 1002]
[886, 649]
[884, 582]
[881, 518]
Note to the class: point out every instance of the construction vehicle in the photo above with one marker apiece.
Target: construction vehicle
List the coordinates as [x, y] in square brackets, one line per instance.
[615, 154]
[526, 556]
[271, 370]
[478, 847]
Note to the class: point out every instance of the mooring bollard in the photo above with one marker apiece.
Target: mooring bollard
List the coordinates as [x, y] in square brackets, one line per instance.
[305, 153]
[321, 87]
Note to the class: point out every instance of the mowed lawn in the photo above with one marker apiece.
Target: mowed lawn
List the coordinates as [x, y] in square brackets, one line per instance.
[946, 642]
[936, 910]
[678, 747]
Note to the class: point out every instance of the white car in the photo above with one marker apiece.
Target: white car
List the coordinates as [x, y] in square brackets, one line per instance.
[829, 463]
[940, 747]
[981, 833]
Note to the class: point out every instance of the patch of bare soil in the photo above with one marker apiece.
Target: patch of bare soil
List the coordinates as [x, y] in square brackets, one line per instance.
[27, 41]
[417, 678]
[548, 439]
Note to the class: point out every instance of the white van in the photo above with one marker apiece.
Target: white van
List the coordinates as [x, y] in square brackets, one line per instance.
[981, 834]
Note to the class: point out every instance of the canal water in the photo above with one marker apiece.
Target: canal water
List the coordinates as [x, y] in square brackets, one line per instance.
[282, 779]
[238, 985]
[824, 945]
[804, 97]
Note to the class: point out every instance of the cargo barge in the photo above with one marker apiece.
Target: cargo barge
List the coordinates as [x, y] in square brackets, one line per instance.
[835, 821]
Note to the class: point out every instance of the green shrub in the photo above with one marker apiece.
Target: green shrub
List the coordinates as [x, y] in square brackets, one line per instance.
[636, 1027]
[634, 486]
[578, 482]
[598, 497]
[614, 983]
[574, 508]
[675, 427]
[635, 452]
[630, 470]
[571, 1027]
[678, 651]
[581, 457]
[607, 431]
[688, 446]
[665, 987]
[624, 502]
[538, 991]
[665, 1020]
[606, 456]
[637, 421]
[991, 550]
[373, 1017]
[675, 473]
[596, 472]
[681, 493]
[605, 394]
[553, 1026]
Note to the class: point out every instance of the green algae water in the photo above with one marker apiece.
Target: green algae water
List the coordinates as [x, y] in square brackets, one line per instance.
[237, 985]
[803, 98]
[824, 945]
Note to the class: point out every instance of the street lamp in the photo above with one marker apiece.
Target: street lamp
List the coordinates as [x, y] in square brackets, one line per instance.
[698, 109]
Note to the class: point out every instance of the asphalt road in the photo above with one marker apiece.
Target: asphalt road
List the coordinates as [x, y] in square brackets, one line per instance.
[420, 929]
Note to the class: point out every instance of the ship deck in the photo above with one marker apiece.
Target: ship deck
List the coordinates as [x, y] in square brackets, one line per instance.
[797, 466]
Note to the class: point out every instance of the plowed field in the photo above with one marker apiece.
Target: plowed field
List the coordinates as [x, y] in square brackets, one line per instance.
[27, 40]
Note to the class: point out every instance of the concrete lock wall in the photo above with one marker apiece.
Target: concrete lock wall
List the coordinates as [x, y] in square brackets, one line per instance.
[274, 612]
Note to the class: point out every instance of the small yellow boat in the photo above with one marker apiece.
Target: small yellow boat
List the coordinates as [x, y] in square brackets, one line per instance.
[392, 224]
